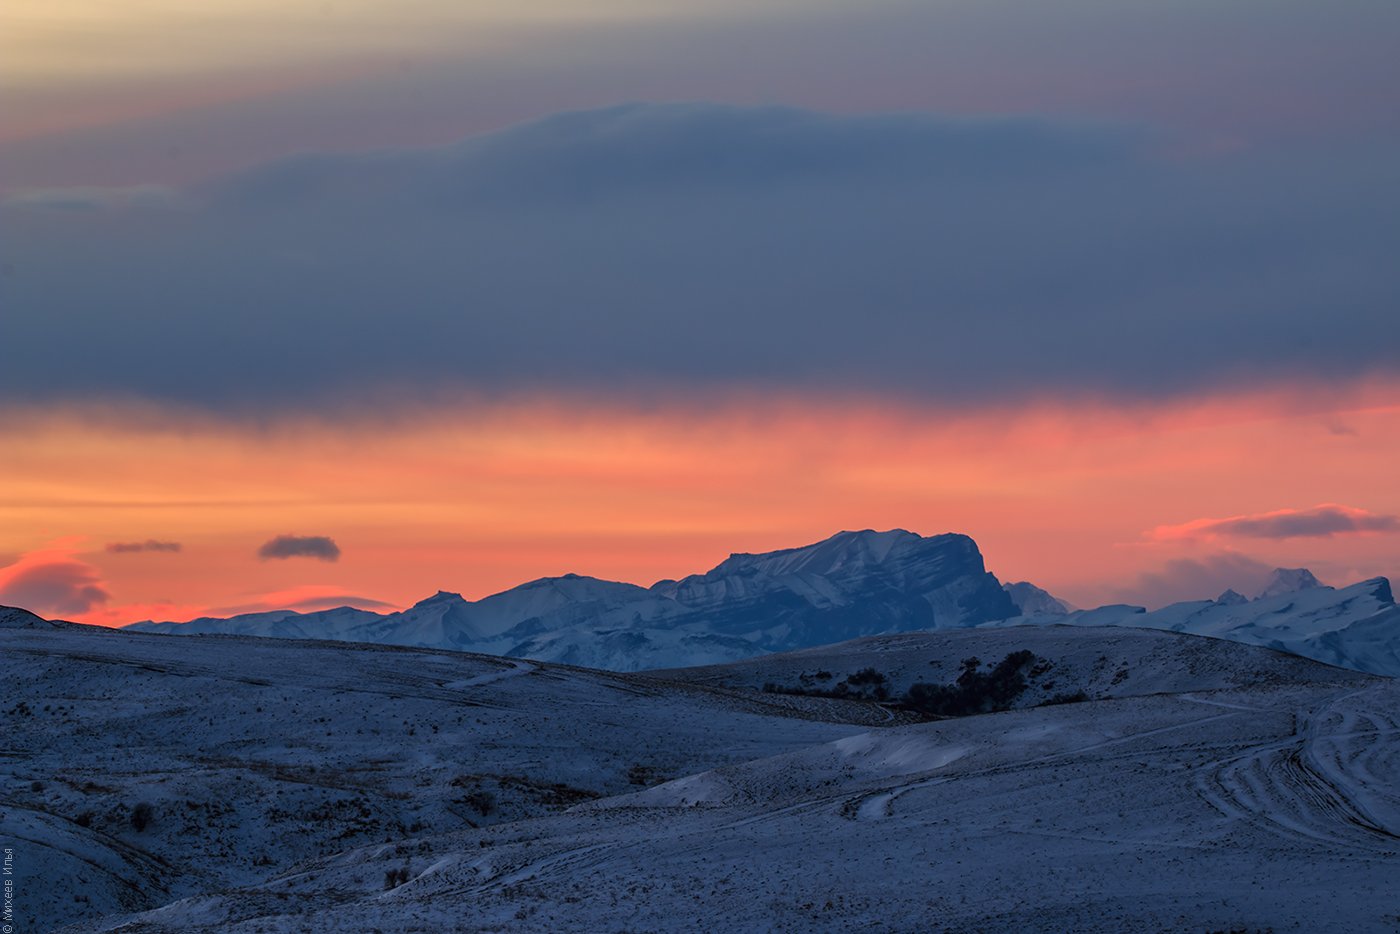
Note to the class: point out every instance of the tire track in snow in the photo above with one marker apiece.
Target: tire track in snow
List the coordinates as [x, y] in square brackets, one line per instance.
[1316, 785]
[878, 805]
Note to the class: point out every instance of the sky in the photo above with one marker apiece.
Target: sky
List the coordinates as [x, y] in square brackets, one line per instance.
[316, 303]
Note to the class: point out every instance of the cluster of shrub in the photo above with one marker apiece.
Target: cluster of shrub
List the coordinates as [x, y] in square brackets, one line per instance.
[139, 817]
[975, 690]
[866, 684]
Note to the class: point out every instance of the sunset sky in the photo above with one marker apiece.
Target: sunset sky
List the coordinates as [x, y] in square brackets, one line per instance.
[456, 295]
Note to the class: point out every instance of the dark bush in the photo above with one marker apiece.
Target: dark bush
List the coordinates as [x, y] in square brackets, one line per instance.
[871, 682]
[481, 801]
[141, 816]
[866, 676]
[1066, 697]
[865, 685]
[640, 774]
[974, 691]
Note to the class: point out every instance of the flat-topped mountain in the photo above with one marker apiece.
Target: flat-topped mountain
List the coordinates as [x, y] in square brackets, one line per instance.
[852, 584]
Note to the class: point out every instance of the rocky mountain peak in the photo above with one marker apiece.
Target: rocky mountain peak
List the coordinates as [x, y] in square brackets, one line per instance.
[1289, 580]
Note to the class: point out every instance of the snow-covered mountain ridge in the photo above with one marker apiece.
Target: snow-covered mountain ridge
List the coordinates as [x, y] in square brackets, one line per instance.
[1354, 627]
[851, 585]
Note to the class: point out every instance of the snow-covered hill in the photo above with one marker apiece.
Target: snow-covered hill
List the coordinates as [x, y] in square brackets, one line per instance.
[1106, 662]
[250, 755]
[13, 617]
[233, 784]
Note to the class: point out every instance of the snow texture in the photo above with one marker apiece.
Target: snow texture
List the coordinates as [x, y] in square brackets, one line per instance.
[296, 786]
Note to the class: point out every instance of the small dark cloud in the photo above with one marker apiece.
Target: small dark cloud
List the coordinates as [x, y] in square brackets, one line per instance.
[59, 587]
[1318, 522]
[1202, 578]
[1335, 426]
[300, 546]
[150, 544]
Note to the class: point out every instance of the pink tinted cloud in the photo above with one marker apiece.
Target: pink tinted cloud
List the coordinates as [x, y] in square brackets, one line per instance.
[1322, 521]
[52, 581]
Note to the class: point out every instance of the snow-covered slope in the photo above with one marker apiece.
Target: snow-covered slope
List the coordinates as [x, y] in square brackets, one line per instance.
[298, 786]
[253, 754]
[12, 617]
[852, 584]
[1102, 662]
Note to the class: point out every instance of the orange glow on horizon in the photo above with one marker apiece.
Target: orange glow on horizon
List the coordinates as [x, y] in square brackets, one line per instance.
[480, 498]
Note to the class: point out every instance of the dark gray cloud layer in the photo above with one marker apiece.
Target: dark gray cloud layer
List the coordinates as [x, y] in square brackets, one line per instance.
[694, 247]
[299, 546]
[1237, 70]
[150, 544]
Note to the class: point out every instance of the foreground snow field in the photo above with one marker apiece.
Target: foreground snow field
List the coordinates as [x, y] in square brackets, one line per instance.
[236, 784]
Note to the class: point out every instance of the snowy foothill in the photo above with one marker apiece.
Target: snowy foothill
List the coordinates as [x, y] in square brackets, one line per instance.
[1139, 780]
[251, 754]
